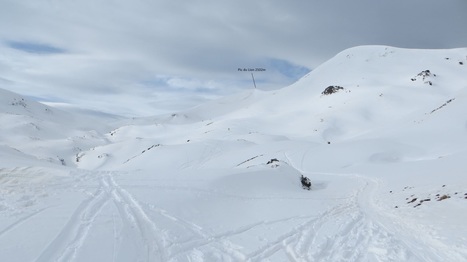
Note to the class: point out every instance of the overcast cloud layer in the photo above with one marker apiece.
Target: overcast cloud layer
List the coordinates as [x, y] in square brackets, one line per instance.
[143, 57]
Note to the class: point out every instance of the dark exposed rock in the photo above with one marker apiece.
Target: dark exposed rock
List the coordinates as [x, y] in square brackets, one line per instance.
[424, 75]
[443, 197]
[272, 161]
[331, 90]
[443, 105]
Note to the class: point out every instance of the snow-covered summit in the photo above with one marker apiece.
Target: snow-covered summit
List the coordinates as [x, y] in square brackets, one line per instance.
[380, 131]
[43, 133]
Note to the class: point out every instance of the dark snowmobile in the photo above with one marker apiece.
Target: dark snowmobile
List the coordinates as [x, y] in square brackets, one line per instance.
[306, 183]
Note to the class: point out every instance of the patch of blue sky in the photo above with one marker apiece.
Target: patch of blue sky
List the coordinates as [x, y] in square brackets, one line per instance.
[155, 82]
[290, 70]
[249, 80]
[162, 83]
[35, 48]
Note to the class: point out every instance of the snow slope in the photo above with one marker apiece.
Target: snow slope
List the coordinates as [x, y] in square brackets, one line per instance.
[40, 133]
[386, 156]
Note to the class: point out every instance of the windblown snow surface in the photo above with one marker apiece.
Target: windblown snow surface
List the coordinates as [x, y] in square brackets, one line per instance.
[386, 154]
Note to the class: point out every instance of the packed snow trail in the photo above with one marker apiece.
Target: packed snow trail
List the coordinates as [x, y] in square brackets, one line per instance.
[72, 236]
[195, 185]
[122, 218]
[137, 226]
[421, 244]
[129, 227]
[357, 230]
[342, 233]
[138, 237]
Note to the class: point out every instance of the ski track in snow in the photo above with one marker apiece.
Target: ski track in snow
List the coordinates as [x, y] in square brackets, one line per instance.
[384, 123]
[355, 229]
[21, 221]
[137, 226]
[134, 215]
[67, 244]
[420, 244]
[220, 241]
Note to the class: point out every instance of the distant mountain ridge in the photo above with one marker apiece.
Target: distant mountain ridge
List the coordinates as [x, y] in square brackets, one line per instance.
[382, 88]
[379, 132]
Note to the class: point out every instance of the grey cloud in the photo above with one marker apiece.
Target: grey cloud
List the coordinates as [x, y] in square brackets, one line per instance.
[113, 45]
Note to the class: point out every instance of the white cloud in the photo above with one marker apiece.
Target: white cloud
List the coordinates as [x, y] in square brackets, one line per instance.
[119, 47]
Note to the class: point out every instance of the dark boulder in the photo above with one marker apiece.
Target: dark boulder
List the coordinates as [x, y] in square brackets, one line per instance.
[331, 90]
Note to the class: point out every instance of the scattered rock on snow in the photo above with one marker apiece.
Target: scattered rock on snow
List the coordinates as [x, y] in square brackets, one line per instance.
[443, 197]
[272, 161]
[331, 90]
[424, 75]
[443, 105]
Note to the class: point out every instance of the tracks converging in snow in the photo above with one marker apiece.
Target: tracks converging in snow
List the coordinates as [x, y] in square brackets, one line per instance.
[208, 193]
[344, 232]
[353, 229]
[136, 224]
[134, 215]
[72, 236]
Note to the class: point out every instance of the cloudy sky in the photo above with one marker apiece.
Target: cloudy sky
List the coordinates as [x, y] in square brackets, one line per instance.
[144, 57]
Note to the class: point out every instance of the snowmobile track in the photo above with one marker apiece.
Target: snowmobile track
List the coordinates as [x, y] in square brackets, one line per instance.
[133, 215]
[65, 246]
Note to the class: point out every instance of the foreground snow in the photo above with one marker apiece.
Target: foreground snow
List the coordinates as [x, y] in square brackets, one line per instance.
[386, 156]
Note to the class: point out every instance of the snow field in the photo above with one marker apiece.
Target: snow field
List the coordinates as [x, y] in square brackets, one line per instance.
[197, 186]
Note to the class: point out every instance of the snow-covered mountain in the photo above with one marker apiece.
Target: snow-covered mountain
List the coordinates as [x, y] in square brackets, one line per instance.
[380, 131]
[41, 133]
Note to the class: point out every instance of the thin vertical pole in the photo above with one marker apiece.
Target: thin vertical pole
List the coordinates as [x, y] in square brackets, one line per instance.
[253, 79]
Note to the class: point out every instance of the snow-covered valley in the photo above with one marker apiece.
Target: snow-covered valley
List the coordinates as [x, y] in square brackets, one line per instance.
[385, 149]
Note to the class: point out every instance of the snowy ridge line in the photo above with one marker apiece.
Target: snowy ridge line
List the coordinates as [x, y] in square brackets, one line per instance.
[142, 152]
[249, 160]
